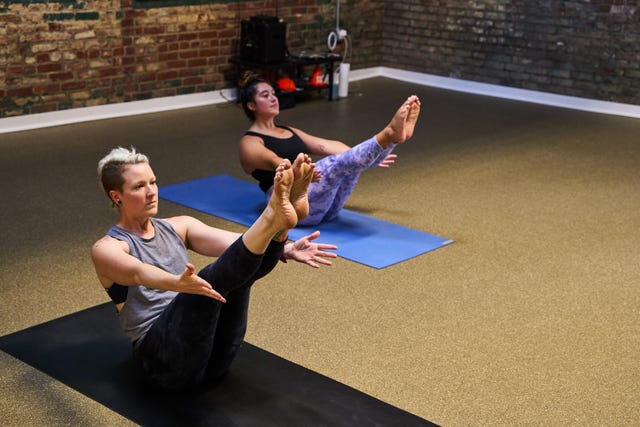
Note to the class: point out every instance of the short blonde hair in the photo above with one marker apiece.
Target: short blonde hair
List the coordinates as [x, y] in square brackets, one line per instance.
[111, 167]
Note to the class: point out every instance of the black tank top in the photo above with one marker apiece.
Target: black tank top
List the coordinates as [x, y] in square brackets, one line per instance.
[287, 148]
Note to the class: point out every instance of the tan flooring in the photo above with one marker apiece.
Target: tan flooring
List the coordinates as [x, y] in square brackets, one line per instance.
[530, 318]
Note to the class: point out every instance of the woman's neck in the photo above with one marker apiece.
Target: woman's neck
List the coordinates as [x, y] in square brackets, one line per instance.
[264, 124]
[140, 227]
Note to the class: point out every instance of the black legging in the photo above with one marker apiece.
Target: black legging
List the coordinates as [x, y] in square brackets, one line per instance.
[196, 338]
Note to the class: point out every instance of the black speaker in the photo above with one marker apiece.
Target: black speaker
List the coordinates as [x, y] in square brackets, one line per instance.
[263, 39]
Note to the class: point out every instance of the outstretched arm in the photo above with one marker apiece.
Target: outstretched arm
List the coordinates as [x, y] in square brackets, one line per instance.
[202, 238]
[321, 146]
[254, 155]
[114, 264]
[305, 251]
[326, 147]
[211, 241]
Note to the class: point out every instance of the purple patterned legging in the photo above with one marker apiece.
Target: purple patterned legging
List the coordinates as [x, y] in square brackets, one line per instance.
[340, 173]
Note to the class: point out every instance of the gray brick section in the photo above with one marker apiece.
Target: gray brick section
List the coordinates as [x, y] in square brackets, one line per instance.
[581, 48]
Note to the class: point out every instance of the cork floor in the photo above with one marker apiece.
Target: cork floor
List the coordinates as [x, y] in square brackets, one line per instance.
[530, 318]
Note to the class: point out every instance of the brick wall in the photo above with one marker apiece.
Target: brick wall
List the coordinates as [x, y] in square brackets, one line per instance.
[364, 21]
[64, 54]
[584, 48]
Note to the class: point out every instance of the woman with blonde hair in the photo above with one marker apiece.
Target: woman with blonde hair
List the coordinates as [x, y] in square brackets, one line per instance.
[186, 328]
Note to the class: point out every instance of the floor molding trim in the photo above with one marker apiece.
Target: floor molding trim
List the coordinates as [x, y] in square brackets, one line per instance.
[570, 102]
[110, 111]
[78, 115]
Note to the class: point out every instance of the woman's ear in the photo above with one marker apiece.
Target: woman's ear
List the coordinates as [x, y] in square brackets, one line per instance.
[115, 199]
[251, 105]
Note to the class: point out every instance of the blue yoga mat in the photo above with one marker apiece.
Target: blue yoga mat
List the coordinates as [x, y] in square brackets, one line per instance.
[359, 238]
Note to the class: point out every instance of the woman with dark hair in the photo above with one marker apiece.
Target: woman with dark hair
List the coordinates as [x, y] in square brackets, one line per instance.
[266, 144]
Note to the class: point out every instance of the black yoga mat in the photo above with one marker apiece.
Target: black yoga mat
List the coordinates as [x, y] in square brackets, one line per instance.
[88, 352]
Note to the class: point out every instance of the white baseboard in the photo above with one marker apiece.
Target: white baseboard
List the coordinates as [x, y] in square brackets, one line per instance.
[110, 111]
[77, 115]
[570, 102]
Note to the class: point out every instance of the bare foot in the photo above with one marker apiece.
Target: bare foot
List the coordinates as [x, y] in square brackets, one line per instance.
[412, 118]
[278, 217]
[403, 123]
[279, 210]
[303, 175]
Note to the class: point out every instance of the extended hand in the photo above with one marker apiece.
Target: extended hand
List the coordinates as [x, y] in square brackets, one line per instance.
[388, 161]
[305, 251]
[191, 283]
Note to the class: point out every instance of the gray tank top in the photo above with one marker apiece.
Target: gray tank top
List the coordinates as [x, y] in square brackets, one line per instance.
[165, 250]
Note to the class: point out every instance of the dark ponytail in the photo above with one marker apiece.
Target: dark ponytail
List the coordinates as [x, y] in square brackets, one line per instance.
[247, 89]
